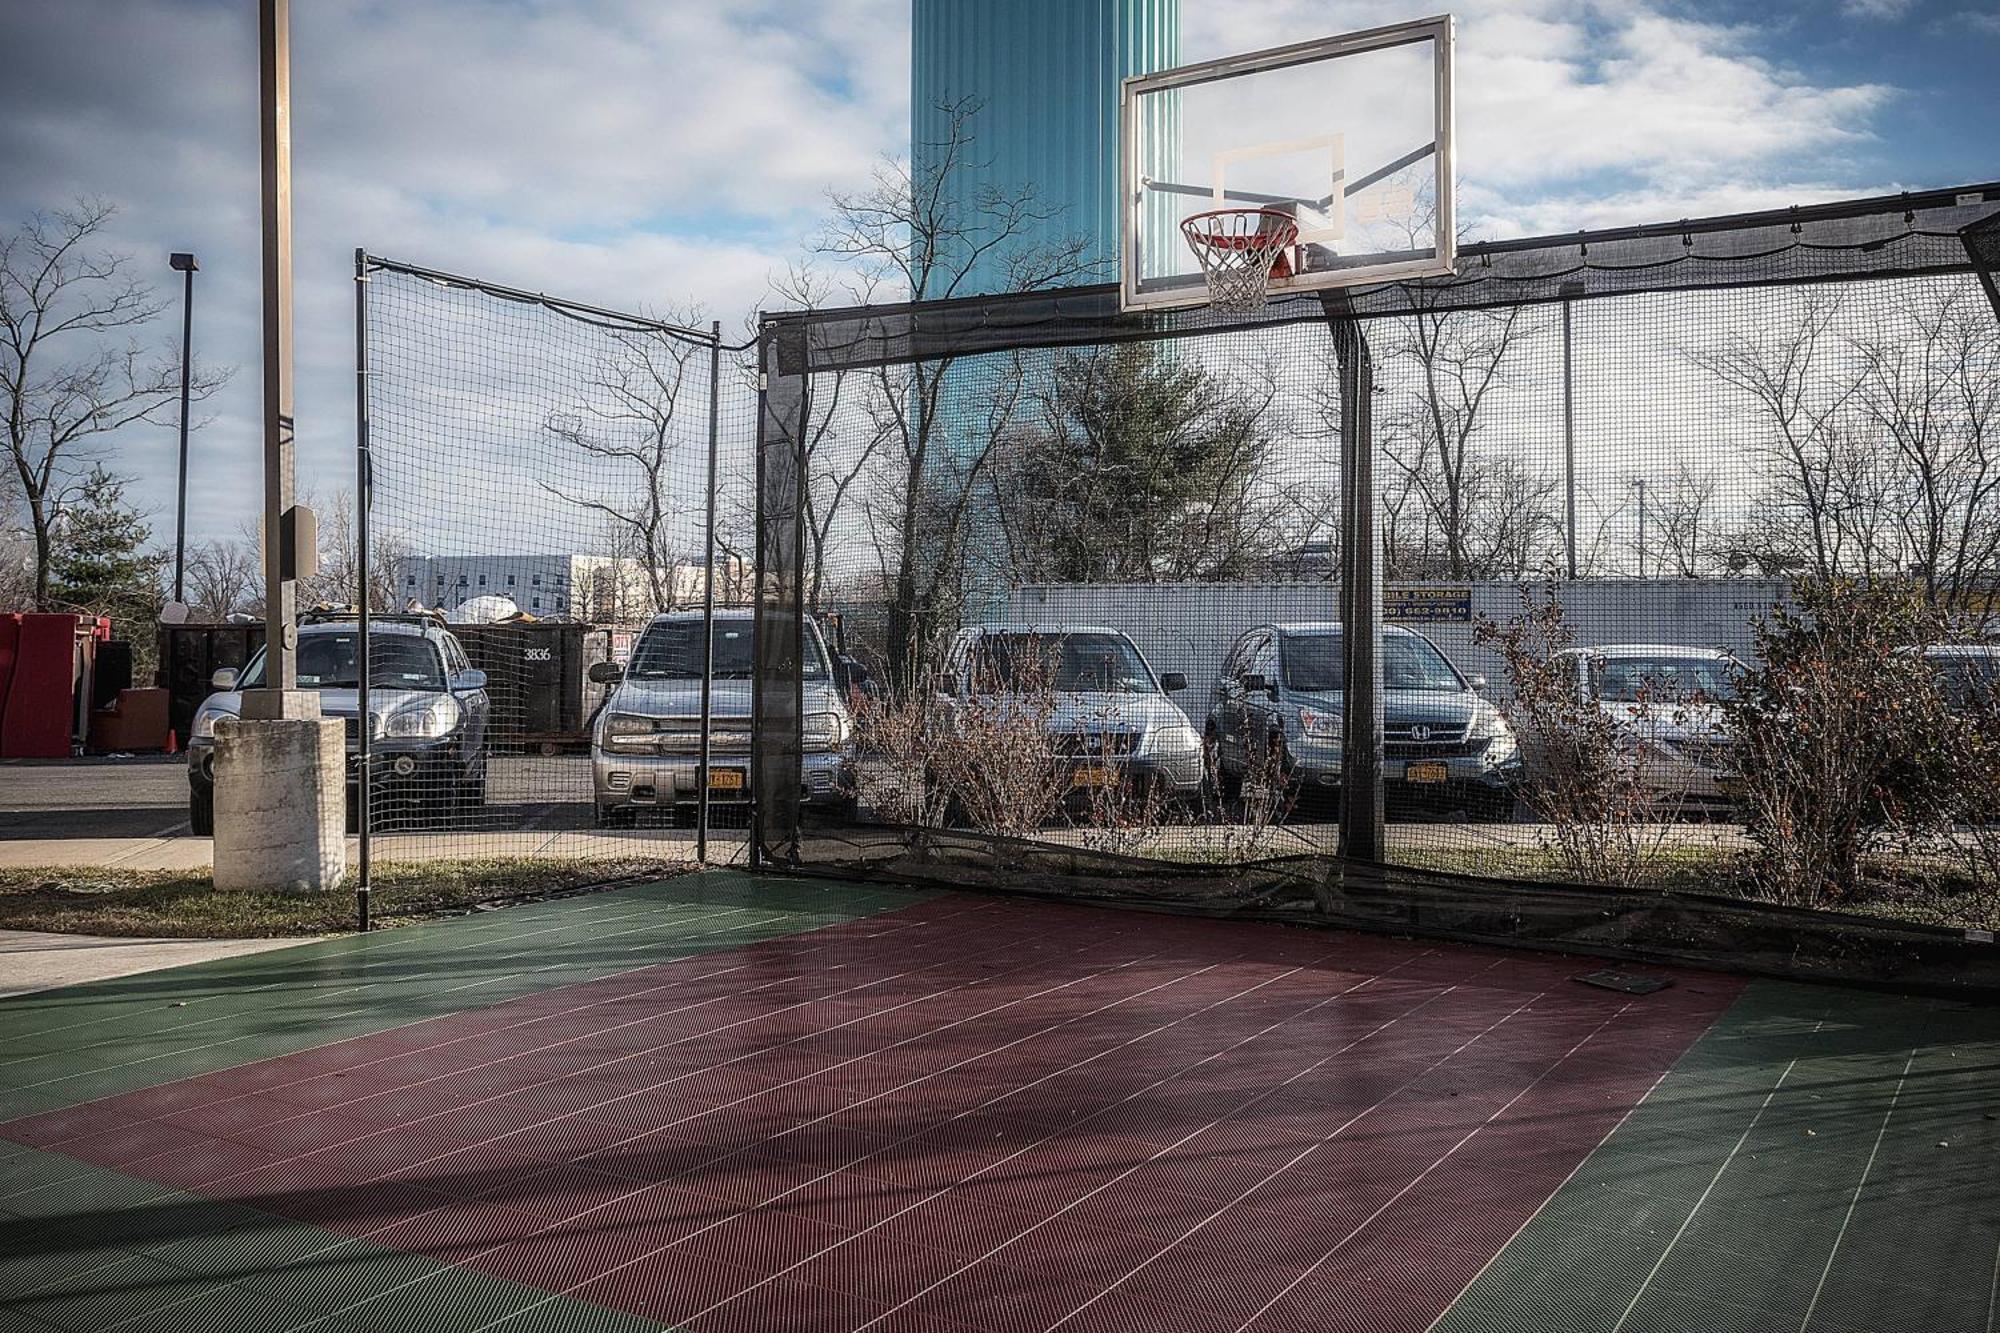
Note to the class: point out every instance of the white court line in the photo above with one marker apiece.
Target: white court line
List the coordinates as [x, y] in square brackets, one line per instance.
[1855, 1202]
[1715, 1180]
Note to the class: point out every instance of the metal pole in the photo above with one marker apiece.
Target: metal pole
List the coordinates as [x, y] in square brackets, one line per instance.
[1641, 484]
[275, 135]
[708, 594]
[1569, 445]
[364, 477]
[1362, 815]
[186, 263]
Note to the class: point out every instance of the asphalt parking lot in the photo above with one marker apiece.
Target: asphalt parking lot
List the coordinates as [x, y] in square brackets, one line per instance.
[57, 811]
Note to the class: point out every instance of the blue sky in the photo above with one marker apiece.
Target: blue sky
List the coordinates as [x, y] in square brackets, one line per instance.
[659, 152]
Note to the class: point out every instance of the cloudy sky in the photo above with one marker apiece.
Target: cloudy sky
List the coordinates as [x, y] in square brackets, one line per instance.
[649, 153]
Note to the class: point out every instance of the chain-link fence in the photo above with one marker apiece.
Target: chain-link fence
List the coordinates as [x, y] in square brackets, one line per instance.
[556, 502]
[1604, 593]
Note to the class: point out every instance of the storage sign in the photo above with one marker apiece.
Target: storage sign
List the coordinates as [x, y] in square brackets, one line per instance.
[1428, 604]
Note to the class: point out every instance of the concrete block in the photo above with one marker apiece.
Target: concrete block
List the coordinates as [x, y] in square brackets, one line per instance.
[280, 804]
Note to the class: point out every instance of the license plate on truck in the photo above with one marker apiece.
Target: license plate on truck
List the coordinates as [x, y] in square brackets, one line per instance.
[1091, 775]
[1427, 773]
[725, 779]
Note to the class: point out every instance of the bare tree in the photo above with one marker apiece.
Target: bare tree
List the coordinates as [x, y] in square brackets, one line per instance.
[223, 576]
[1797, 399]
[1481, 514]
[840, 443]
[1930, 387]
[910, 235]
[1681, 510]
[66, 383]
[628, 415]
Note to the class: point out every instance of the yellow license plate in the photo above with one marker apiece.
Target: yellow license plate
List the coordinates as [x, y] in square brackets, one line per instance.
[1427, 773]
[725, 779]
[1091, 776]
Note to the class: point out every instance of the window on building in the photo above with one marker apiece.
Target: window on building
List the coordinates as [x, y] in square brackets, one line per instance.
[482, 580]
[510, 580]
[538, 604]
[537, 580]
[461, 580]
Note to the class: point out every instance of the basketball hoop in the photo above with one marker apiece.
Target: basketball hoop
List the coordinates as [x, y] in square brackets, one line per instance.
[1238, 249]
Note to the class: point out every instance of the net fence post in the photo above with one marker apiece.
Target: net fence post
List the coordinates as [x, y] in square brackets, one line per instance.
[708, 594]
[363, 477]
[1982, 246]
[778, 634]
[1361, 797]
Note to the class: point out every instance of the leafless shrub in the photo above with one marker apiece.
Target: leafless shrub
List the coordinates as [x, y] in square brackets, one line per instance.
[1840, 729]
[1580, 776]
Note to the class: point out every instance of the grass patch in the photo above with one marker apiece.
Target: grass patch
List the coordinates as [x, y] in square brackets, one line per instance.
[183, 905]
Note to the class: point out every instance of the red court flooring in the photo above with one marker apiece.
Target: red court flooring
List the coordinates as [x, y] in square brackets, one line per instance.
[965, 1113]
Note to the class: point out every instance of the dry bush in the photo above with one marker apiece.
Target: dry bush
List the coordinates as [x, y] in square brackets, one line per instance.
[1579, 775]
[1842, 738]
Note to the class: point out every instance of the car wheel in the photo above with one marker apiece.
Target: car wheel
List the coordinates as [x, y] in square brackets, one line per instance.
[201, 811]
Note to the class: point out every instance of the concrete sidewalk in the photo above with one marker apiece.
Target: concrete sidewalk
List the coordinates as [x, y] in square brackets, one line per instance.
[196, 854]
[31, 960]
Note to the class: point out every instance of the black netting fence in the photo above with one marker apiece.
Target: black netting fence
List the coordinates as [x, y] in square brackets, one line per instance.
[1630, 591]
[559, 502]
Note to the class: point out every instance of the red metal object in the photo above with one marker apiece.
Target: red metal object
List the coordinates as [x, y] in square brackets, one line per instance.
[48, 660]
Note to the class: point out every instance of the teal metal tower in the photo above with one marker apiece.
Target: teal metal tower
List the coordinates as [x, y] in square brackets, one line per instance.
[1045, 74]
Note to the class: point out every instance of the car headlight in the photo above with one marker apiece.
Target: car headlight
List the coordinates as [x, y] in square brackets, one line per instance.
[628, 733]
[1175, 738]
[824, 731]
[1501, 744]
[428, 721]
[1320, 724]
[205, 718]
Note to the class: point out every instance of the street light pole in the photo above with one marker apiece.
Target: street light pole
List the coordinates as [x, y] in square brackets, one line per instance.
[1640, 482]
[184, 264]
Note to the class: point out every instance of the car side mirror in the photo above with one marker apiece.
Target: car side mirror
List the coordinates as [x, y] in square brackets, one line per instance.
[225, 678]
[472, 678]
[1173, 681]
[1478, 684]
[606, 673]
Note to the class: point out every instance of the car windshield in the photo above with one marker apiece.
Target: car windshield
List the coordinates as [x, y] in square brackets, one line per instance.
[1065, 663]
[1967, 678]
[1409, 662]
[671, 650]
[329, 660]
[1631, 680]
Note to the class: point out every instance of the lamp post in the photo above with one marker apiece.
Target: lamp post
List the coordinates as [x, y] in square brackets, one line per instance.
[184, 264]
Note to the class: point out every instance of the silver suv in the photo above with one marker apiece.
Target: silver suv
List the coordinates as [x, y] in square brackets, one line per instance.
[427, 703]
[1112, 719]
[645, 745]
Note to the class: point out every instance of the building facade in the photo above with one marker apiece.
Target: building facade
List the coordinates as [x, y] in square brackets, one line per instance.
[602, 589]
[1045, 75]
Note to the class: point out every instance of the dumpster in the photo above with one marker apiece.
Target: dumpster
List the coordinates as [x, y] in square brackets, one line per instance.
[191, 653]
[537, 677]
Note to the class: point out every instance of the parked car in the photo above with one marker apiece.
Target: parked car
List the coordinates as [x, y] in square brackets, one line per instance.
[645, 745]
[1968, 673]
[1112, 721]
[427, 704]
[1278, 703]
[1666, 702]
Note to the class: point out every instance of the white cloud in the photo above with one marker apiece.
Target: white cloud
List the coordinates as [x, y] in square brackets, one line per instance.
[1881, 11]
[650, 152]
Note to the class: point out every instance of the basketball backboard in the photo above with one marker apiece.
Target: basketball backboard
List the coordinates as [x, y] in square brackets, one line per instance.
[1350, 135]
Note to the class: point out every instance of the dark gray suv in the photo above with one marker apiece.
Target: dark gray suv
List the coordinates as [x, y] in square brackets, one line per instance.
[1279, 699]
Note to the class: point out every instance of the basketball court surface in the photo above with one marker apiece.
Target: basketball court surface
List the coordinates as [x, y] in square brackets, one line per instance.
[723, 1102]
